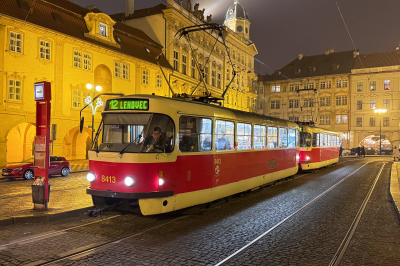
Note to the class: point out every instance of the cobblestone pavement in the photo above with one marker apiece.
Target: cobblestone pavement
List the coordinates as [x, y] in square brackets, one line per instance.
[310, 238]
[65, 193]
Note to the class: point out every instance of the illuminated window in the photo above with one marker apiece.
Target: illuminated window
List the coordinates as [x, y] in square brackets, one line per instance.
[184, 64]
[338, 83]
[15, 42]
[102, 29]
[329, 84]
[243, 136]
[159, 81]
[145, 77]
[45, 50]
[278, 88]
[14, 90]
[224, 136]
[373, 86]
[260, 137]
[386, 85]
[359, 86]
[344, 83]
[373, 104]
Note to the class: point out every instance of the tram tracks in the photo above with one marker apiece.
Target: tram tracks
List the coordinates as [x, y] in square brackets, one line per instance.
[346, 240]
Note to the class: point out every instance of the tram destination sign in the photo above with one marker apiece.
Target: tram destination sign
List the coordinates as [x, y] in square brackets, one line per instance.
[128, 104]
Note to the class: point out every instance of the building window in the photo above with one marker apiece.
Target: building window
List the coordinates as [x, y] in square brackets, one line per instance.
[311, 85]
[297, 87]
[125, 71]
[341, 119]
[278, 88]
[338, 83]
[322, 102]
[291, 87]
[278, 105]
[386, 85]
[76, 99]
[359, 86]
[372, 121]
[322, 84]
[117, 68]
[296, 103]
[311, 102]
[206, 74]
[14, 90]
[373, 86]
[322, 120]
[184, 63]
[344, 100]
[213, 78]
[77, 59]
[359, 105]
[219, 81]
[359, 122]
[45, 50]
[338, 100]
[291, 118]
[242, 81]
[386, 103]
[291, 103]
[159, 81]
[176, 61]
[15, 42]
[227, 74]
[261, 105]
[386, 121]
[80, 57]
[193, 68]
[329, 84]
[327, 120]
[373, 104]
[305, 103]
[328, 102]
[344, 83]
[145, 77]
[272, 104]
[102, 29]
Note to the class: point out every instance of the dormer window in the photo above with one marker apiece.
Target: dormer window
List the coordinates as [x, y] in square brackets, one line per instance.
[103, 29]
[23, 5]
[336, 66]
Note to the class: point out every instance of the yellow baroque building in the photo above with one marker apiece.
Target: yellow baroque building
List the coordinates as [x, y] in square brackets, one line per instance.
[70, 46]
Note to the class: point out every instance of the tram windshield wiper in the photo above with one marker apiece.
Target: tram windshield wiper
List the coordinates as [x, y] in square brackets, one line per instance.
[136, 141]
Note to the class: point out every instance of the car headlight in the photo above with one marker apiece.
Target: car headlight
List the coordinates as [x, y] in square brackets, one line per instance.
[129, 181]
[17, 169]
[91, 177]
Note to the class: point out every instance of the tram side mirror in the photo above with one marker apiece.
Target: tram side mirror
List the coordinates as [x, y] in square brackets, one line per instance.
[81, 124]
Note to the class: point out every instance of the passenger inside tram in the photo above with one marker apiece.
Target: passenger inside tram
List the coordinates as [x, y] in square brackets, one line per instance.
[222, 143]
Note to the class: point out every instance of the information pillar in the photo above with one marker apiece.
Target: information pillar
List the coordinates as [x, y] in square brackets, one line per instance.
[42, 145]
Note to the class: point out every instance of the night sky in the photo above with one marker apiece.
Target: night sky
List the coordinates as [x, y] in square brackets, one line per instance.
[281, 29]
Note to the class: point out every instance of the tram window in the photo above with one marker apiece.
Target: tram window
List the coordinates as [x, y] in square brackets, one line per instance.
[260, 137]
[125, 133]
[195, 134]
[315, 140]
[283, 137]
[321, 139]
[329, 140]
[243, 136]
[326, 140]
[292, 138]
[305, 139]
[272, 137]
[297, 138]
[224, 135]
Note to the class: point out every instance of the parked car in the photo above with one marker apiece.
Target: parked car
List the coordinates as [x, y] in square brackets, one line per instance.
[346, 152]
[58, 166]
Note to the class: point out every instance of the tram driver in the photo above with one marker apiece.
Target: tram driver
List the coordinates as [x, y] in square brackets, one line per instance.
[155, 142]
[222, 143]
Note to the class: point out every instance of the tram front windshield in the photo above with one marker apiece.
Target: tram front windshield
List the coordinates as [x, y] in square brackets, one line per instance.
[305, 139]
[137, 133]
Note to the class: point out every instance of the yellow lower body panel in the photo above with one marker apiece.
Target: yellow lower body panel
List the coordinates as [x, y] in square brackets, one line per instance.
[184, 200]
[311, 166]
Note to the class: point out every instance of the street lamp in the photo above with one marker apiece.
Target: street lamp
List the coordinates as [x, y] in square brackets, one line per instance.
[88, 100]
[380, 111]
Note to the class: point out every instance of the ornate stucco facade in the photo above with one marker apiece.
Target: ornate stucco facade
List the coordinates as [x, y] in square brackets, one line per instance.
[69, 46]
[162, 22]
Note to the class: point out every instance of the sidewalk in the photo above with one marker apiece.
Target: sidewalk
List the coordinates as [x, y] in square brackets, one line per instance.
[395, 186]
[79, 165]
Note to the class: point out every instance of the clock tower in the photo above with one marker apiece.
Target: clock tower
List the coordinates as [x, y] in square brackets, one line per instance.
[237, 19]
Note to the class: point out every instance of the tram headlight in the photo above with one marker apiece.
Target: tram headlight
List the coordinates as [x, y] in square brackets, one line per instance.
[297, 157]
[129, 181]
[308, 158]
[91, 177]
[160, 181]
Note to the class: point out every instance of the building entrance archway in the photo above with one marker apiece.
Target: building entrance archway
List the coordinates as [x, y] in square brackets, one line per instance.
[371, 145]
[76, 145]
[20, 141]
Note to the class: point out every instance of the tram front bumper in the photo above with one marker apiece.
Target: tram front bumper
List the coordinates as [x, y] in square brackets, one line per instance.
[124, 195]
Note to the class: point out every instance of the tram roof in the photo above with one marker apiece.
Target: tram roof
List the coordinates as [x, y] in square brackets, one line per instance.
[240, 115]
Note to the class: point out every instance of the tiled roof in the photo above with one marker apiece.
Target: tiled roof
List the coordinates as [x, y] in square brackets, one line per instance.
[158, 9]
[133, 41]
[315, 65]
[378, 60]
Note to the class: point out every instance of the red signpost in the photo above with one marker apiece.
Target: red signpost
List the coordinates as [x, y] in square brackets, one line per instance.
[40, 188]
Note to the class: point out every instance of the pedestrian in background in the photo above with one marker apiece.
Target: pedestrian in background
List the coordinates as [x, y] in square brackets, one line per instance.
[395, 153]
[340, 151]
[363, 151]
[358, 151]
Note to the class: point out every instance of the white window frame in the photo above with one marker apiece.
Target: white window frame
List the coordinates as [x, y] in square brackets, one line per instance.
[16, 42]
[117, 69]
[184, 64]
[87, 61]
[176, 60]
[322, 84]
[45, 50]
[101, 24]
[14, 90]
[125, 71]
[145, 77]
[159, 81]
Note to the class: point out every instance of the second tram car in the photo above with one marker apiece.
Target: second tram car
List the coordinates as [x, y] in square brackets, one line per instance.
[166, 154]
[318, 147]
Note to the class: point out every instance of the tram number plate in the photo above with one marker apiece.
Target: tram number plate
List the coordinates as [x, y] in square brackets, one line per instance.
[108, 179]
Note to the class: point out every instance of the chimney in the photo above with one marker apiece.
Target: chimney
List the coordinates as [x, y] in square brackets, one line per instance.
[301, 56]
[327, 51]
[331, 50]
[397, 48]
[91, 7]
[129, 7]
[355, 53]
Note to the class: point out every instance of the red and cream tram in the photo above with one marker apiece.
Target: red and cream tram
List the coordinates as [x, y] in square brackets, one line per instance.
[318, 147]
[166, 154]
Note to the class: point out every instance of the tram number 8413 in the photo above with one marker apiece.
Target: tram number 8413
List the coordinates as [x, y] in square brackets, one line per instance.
[108, 179]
